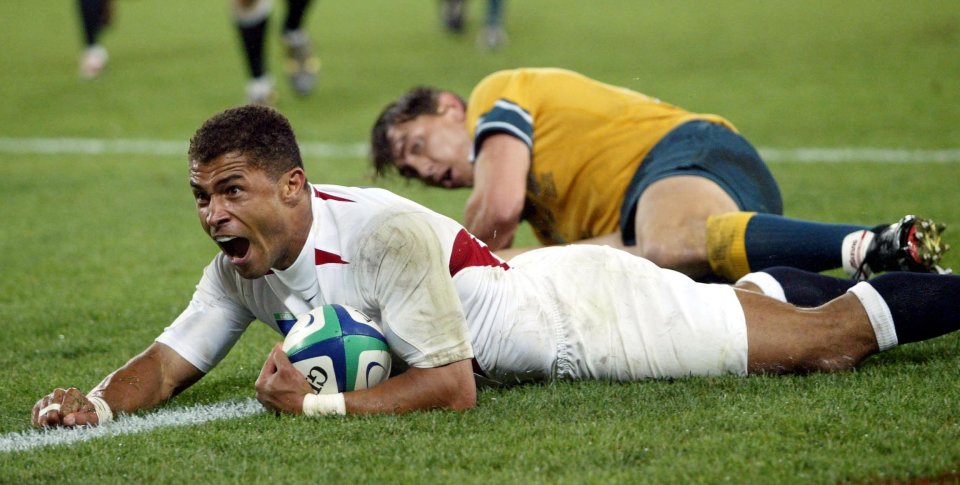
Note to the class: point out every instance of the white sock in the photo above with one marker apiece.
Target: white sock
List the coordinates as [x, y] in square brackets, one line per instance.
[296, 38]
[854, 251]
[260, 85]
[767, 283]
[879, 314]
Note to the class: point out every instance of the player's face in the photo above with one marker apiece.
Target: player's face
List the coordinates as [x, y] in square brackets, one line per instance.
[433, 148]
[242, 209]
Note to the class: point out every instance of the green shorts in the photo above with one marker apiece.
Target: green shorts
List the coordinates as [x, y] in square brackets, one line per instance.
[704, 149]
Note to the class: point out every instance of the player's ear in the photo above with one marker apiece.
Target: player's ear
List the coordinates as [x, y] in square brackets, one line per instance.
[450, 104]
[292, 183]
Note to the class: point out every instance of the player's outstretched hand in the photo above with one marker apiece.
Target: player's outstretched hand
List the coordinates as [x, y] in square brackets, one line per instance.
[64, 407]
[281, 387]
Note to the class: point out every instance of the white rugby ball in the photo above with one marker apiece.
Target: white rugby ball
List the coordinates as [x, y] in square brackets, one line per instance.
[338, 349]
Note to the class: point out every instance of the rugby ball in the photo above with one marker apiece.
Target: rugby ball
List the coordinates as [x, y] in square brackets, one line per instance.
[338, 349]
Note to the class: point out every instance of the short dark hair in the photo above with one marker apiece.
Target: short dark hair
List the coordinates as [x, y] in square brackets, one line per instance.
[421, 100]
[261, 133]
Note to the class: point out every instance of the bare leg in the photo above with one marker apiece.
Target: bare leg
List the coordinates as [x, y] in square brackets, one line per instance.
[671, 222]
[782, 338]
[748, 286]
[252, 18]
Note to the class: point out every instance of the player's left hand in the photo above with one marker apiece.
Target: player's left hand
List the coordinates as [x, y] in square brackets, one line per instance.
[281, 387]
[64, 407]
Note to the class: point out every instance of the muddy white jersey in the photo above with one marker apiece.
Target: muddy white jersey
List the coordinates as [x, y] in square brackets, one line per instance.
[367, 248]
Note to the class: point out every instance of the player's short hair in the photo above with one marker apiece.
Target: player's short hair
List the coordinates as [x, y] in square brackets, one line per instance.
[260, 133]
[421, 100]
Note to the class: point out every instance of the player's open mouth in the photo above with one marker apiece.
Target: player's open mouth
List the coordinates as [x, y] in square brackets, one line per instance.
[234, 247]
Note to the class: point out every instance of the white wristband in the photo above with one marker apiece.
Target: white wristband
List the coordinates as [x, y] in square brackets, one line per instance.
[50, 407]
[104, 414]
[324, 404]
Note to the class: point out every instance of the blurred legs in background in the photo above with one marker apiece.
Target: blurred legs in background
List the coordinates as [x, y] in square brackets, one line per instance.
[491, 36]
[94, 16]
[452, 15]
[302, 66]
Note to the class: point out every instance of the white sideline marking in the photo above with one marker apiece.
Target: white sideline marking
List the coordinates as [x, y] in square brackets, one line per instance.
[861, 154]
[128, 424]
[96, 146]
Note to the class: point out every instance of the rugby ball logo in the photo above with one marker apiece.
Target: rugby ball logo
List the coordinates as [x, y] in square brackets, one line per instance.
[338, 349]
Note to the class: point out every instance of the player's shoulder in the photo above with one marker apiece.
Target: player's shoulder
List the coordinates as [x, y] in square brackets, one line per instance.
[359, 210]
[528, 73]
[527, 77]
[411, 221]
[529, 88]
[493, 87]
[342, 193]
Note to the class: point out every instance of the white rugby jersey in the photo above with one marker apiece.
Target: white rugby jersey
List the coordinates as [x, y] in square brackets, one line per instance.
[389, 257]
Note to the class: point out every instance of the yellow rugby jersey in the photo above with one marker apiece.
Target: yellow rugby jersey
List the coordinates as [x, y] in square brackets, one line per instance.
[586, 138]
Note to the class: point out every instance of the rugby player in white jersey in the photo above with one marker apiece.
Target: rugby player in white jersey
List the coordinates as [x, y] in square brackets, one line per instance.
[450, 308]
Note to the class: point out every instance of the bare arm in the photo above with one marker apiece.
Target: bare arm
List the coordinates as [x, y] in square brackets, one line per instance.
[493, 210]
[281, 388]
[447, 387]
[147, 380]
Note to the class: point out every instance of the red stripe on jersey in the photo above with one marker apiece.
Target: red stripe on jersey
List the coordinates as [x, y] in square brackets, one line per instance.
[326, 196]
[323, 257]
[467, 252]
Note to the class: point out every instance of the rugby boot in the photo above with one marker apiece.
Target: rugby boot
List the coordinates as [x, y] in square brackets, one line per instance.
[912, 244]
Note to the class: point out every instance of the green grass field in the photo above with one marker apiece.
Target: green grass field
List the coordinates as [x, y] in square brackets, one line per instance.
[100, 251]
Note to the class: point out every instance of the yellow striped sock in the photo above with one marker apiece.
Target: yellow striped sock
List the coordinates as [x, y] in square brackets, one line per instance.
[726, 244]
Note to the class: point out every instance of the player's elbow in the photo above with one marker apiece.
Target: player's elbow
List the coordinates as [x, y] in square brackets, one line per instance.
[493, 221]
[459, 387]
[464, 398]
[496, 229]
[509, 211]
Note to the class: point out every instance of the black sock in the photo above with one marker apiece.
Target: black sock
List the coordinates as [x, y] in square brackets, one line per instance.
[295, 11]
[253, 36]
[806, 289]
[91, 16]
[923, 306]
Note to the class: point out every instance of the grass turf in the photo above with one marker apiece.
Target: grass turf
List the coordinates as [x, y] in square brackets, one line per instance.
[100, 252]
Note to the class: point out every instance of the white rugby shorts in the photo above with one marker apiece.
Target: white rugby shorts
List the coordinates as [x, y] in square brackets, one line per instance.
[593, 312]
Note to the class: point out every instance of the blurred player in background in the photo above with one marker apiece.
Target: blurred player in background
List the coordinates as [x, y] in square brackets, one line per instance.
[451, 310]
[302, 66]
[95, 15]
[453, 18]
[583, 161]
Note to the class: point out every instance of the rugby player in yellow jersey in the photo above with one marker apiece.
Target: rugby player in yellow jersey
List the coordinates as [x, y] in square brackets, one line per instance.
[584, 161]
